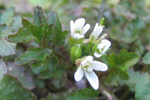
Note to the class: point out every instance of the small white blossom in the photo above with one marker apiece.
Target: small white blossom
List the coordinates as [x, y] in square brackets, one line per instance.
[78, 29]
[102, 48]
[86, 67]
[97, 31]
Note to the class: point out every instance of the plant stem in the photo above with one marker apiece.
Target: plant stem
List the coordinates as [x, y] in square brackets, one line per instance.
[107, 93]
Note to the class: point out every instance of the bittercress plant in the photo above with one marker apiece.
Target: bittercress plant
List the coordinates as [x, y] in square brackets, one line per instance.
[58, 59]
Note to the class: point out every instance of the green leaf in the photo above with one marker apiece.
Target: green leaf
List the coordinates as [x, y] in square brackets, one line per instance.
[4, 31]
[75, 52]
[142, 87]
[7, 48]
[39, 18]
[58, 83]
[146, 58]
[56, 35]
[27, 33]
[123, 75]
[102, 21]
[37, 68]
[3, 69]
[58, 96]
[11, 89]
[7, 17]
[36, 31]
[84, 94]
[124, 60]
[49, 68]
[115, 76]
[73, 41]
[94, 48]
[52, 18]
[23, 76]
[133, 79]
[17, 23]
[119, 64]
[33, 54]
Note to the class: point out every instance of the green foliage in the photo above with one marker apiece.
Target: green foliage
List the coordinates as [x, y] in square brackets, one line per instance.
[123, 61]
[119, 64]
[84, 94]
[40, 31]
[11, 89]
[102, 21]
[3, 69]
[23, 76]
[47, 33]
[49, 68]
[146, 58]
[57, 35]
[16, 23]
[73, 41]
[7, 17]
[4, 30]
[75, 52]
[39, 18]
[29, 31]
[7, 48]
[60, 96]
[142, 87]
[133, 79]
[33, 54]
[139, 82]
[39, 43]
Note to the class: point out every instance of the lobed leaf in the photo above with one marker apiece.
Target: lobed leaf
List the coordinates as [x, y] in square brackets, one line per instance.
[11, 89]
[4, 31]
[84, 94]
[39, 18]
[3, 69]
[49, 68]
[7, 48]
[7, 17]
[33, 54]
[27, 33]
[133, 79]
[146, 58]
[124, 60]
[56, 35]
[142, 87]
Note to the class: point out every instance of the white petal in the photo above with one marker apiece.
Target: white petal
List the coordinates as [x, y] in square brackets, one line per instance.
[90, 69]
[88, 58]
[107, 45]
[85, 28]
[93, 79]
[99, 66]
[77, 36]
[79, 23]
[72, 27]
[97, 30]
[96, 54]
[78, 74]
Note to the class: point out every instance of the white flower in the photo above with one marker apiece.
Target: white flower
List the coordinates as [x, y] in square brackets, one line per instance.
[102, 48]
[97, 31]
[78, 29]
[86, 67]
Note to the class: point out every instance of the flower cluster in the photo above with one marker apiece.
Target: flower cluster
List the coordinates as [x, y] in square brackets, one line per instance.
[86, 65]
